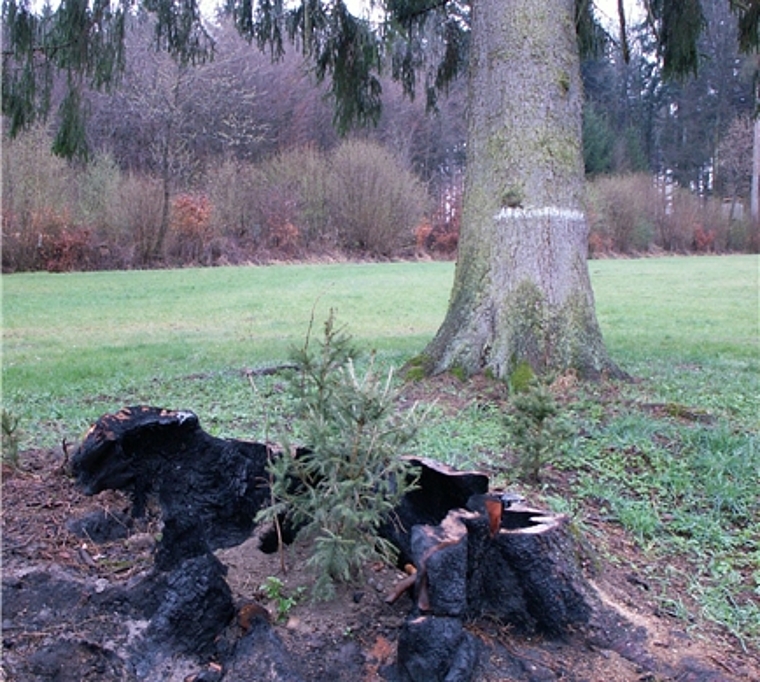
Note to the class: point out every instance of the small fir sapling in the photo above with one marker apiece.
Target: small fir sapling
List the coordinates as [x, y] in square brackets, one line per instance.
[535, 424]
[344, 485]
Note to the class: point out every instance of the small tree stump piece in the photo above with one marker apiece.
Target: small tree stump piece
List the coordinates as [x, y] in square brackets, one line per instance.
[525, 574]
[435, 649]
[440, 488]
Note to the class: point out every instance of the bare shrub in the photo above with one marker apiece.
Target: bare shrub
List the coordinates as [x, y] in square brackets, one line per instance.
[277, 213]
[32, 176]
[27, 235]
[622, 213]
[36, 198]
[232, 190]
[729, 234]
[422, 237]
[70, 249]
[446, 217]
[741, 236]
[374, 201]
[635, 213]
[97, 187]
[694, 224]
[676, 225]
[274, 209]
[136, 214]
[439, 234]
[190, 229]
[298, 177]
[19, 242]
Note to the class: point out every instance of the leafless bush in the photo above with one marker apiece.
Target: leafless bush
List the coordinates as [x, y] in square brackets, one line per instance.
[446, 217]
[190, 232]
[299, 177]
[97, 186]
[683, 217]
[36, 199]
[690, 223]
[70, 249]
[622, 213]
[136, 210]
[374, 201]
[276, 215]
[635, 213]
[232, 190]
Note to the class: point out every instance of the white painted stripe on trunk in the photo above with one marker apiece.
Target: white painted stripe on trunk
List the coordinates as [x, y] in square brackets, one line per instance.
[543, 212]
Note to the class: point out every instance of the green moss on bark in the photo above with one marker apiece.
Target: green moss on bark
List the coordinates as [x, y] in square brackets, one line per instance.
[554, 339]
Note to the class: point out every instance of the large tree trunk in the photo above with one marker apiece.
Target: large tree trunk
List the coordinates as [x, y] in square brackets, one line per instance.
[521, 289]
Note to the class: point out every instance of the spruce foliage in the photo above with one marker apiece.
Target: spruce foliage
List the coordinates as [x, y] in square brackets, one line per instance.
[84, 40]
[345, 486]
[537, 427]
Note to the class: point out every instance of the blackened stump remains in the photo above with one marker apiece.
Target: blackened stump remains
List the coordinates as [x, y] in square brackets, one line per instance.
[477, 553]
[209, 489]
[496, 560]
[435, 648]
[522, 570]
[440, 488]
[527, 573]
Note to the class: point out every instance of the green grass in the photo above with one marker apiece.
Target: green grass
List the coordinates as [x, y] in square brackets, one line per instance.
[64, 330]
[689, 495]
[683, 309]
[673, 459]
[77, 345]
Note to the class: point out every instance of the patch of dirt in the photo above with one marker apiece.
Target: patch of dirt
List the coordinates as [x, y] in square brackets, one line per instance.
[350, 638]
[453, 395]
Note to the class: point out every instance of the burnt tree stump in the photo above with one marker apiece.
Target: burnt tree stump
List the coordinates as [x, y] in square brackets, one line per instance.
[209, 489]
[478, 554]
[517, 565]
[497, 560]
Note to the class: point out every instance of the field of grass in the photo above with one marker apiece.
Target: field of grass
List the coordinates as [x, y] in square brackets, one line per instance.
[673, 459]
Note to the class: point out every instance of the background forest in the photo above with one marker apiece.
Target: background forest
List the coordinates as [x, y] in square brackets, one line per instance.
[237, 160]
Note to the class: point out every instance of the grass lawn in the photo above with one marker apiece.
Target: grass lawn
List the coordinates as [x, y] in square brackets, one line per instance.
[672, 460]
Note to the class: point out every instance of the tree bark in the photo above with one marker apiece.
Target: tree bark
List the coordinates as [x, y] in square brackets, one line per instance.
[755, 188]
[522, 291]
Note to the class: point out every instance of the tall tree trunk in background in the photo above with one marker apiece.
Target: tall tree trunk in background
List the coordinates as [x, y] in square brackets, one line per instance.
[754, 195]
[522, 291]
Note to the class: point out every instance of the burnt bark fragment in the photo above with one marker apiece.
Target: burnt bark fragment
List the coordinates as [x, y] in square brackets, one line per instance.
[440, 488]
[101, 526]
[436, 649]
[261, 655]
[441, 554]
[195, 608]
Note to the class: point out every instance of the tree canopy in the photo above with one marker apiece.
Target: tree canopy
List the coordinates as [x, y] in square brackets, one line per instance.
[422, 43]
